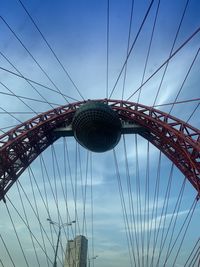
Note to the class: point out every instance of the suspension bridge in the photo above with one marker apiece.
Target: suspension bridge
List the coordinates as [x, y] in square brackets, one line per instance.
[100, 132]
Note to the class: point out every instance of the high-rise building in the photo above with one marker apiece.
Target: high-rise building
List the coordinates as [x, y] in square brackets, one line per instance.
[76, 252]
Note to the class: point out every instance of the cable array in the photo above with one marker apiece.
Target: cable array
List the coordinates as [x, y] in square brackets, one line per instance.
[60, 185]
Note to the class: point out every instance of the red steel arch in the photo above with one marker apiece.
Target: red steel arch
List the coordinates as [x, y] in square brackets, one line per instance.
[179, 141]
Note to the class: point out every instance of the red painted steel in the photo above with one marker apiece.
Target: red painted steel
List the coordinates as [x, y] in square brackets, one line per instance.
[179, 141]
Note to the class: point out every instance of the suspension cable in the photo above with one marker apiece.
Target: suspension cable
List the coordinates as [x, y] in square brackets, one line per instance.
[33, 58]
[164, 210]
[34, 88]
[51, 49]
[107, 44]
[149, 49]
[17, 236]
[178, 102]
[184, 80]
[154, 208]
[38, 83]
[25, 97]
[35, 213]
[123, 205]
[84, 228]
[131, 206]
[22, 219]
[8, 252]
[28, 226]
[174, 214]
[18, 97]
[188, 217]
[165, 62]
[191, 115]
[172, 48]
[132, 46]
[193, 251]
[128, 46]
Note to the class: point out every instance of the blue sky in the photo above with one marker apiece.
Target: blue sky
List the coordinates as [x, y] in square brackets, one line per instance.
[77, 32]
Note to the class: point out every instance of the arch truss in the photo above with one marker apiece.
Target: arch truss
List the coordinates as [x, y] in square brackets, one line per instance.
[179, 141]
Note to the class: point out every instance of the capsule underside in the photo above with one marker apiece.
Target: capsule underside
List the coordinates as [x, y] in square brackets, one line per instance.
[96, 127]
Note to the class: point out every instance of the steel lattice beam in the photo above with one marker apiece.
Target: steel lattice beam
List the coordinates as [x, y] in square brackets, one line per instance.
[179, 141]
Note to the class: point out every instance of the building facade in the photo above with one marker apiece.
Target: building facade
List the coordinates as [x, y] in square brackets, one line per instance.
[76, 252]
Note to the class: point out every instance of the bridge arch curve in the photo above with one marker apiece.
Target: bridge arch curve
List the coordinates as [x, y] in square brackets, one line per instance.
[178, 140]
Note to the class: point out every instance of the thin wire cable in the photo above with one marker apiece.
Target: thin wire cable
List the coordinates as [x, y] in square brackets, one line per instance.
[14, 117]
[172, 48]
[167, 60]
[60, 221]
[20, 97]
[184, 80]
[31, 173]
[157, 191]
[35, 200]
[70, 176]
[17, 236]
[128, 46]
[75, 190]
[132, 46]
[159, 105]
[193, 250]
[69, 219]
[146, 225]
[138, 192]
[192, 114]
[107, 44]
[51, 49]
[149, 49]
[81, 174]
[62, 187]
[84, 228]
[123, 206]
[38, 83]
[8, 252]
[92, 204]
[174, 213]
[67, 160]
[154, 213]
[173, 232]
[195, 258]
[55, 186]
[43, 165]
[33, 58]
[178, 102]
[28, 226]
[33, 87]
[188, 217]
[31, 179]
[63, 191]
[32, 208]
[2, 263]
[19, 112]
[131, 207]
[10, 114]
[65, 181]
[8, 127]
[164, 210]
[45, 196]
[22, 219]
[184, 234]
